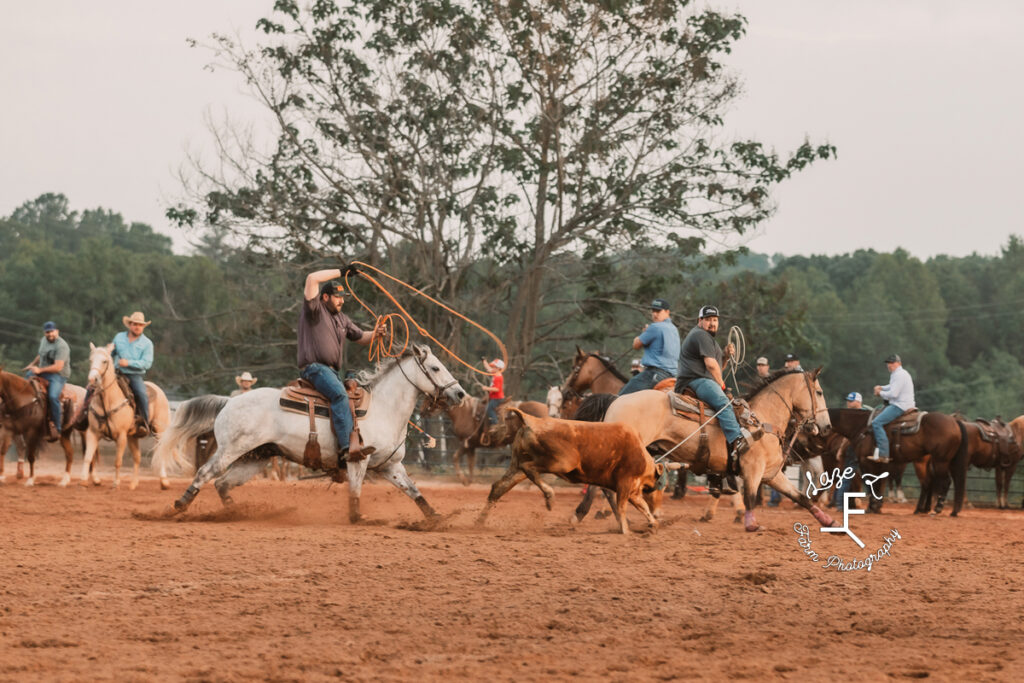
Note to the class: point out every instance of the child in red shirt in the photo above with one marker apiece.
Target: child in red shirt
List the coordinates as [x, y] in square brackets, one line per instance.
[496, 391]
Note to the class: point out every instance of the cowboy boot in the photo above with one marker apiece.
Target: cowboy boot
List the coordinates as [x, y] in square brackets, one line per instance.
[81, 419]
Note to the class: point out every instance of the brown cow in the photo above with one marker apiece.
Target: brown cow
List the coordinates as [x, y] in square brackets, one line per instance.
[604, 454]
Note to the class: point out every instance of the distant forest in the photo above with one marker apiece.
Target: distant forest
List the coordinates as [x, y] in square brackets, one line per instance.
[956, 321]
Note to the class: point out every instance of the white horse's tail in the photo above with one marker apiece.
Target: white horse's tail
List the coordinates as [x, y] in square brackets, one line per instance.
[193, 418]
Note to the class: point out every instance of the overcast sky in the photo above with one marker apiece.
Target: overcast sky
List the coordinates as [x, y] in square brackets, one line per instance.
[921, 97]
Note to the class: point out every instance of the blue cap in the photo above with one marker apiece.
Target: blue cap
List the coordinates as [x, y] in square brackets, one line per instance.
[854, 396]
[49, 325]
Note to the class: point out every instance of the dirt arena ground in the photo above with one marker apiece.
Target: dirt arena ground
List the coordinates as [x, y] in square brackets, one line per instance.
[96, 586]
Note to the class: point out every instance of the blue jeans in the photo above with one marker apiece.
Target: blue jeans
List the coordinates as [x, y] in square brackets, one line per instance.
[849, 460]
[138, 385]
[889, 414]
[712, 394]
[57, 382]
[492, 410]
[645, 379]
[328, 383]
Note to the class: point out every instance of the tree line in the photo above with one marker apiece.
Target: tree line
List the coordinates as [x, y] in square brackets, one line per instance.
[956, 321]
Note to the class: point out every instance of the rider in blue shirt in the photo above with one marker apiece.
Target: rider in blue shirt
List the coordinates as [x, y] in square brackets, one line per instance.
[660, 342]
[133, 355]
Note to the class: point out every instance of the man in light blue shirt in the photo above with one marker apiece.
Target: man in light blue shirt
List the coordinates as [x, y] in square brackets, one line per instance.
[899, 392]
[133, 355]
[660, 342]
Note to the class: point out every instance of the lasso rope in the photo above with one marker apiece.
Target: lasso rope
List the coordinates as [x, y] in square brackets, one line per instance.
[383, 347]
[739, 355]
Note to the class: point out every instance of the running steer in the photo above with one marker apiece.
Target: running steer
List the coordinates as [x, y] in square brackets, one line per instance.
[603, 454]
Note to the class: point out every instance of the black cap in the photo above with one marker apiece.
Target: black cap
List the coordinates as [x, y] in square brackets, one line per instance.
[708, 312]
[791, 356]
[332, 288]
[659, 305]
[894, 358]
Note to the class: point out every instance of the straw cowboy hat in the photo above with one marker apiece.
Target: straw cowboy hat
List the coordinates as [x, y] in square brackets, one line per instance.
[244, 377]
[136, 317]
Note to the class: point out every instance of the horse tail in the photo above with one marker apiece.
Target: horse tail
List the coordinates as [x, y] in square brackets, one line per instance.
[193, 418]
[594, 407]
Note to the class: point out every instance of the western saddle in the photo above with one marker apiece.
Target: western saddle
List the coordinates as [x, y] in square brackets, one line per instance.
[301, 397]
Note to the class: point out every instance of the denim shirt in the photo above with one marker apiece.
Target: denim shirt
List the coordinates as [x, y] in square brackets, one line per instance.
[139, 352]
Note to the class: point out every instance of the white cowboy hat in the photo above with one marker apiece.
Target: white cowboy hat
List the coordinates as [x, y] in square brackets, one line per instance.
[136, 317]
[244, 377]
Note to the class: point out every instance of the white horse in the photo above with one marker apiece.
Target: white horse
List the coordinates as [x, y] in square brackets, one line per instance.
[554, 401]
[254, 419]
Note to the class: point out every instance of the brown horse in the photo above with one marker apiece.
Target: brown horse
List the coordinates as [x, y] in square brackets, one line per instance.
[7, 437]
[470, 427]
[592, 372]
[24, 414]
[935, 453]
[786, 395]
[988, 455]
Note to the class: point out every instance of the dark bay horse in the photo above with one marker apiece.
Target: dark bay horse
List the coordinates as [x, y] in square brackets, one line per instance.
[988, 455]
[23, 412]
[934, 451]
[470, 427]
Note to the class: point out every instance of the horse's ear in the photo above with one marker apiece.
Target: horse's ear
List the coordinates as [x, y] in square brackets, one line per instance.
[92, 347]
[817, 371]
[579, 351]
[110, 347]
[421, 350]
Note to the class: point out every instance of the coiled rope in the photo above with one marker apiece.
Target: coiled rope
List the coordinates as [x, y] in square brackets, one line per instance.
[383, 345]
[739, 354]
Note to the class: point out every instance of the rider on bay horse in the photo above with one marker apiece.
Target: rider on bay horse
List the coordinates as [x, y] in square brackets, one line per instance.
[323, 329]
[52, 363]
[660, 342]
[700, 369]
[899, 393]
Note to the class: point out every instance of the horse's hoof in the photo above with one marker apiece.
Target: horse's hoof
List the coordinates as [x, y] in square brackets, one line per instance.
[31, 481]
[705, 518]
[3, 478]
[752, 528]
[97, 482]
[164, 484]
[134, 485]
[180, 505]
[84, 483]
[64, 480]
[21, 471]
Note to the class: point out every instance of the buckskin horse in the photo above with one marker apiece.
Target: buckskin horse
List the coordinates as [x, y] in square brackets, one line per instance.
[592, 372]
[994, 445]
[786, 395]
[248, 422]
[929, 440]
[470, 427]
[23, 411]
[111, 417]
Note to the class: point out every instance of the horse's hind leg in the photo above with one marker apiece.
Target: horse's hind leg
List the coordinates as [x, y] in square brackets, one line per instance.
[133, 446]
[69, 456]
[215, 466]
[238, 473]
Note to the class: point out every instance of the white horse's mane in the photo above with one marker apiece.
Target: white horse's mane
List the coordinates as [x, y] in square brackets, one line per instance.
[367, 378]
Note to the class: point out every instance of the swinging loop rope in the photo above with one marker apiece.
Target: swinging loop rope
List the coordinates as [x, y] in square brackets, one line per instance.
[384, 347]
[739, 355]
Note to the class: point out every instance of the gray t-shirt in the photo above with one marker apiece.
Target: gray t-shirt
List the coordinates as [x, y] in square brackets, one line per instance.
[698, 345]
[322, 334]
[50, 352]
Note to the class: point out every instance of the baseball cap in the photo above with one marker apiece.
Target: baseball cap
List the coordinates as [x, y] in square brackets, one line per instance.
[332, 288]
[635, 361]
[791, 356]
[894, 358]
[659, 305]
[49, 325]
[498, 363]
[707, 312]
[762, 361]
[854, 396]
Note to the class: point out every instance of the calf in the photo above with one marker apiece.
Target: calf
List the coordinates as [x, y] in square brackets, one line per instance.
[604, 454]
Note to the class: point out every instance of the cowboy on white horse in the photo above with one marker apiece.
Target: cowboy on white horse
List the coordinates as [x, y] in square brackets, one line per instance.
[323, 329]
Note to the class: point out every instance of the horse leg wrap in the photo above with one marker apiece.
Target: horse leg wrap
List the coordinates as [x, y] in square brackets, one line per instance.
[186, 498]
[749, 523]
[822, 516]
[425, 507]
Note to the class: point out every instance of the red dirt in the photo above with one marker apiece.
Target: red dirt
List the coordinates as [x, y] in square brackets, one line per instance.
[97, 585]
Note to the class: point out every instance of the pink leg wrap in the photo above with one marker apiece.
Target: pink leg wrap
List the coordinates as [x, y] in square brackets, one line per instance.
[749, 522]
[822, 516]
